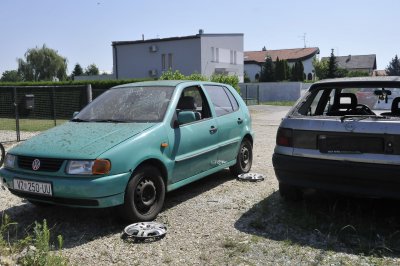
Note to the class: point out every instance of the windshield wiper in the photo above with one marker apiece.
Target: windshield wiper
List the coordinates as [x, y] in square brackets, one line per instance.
[78, 120]
[108, 121]
[361, 117]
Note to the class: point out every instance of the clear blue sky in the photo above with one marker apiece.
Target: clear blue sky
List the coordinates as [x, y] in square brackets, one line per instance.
[82, 31]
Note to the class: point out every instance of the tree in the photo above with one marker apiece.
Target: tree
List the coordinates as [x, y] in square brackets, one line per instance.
[297, 71]
[10, 76]
[321, 68]
[77, 71]
[332, 66]
[280, 70]
[42, 64]
[92, 70]
[393, 69]
[267, 73]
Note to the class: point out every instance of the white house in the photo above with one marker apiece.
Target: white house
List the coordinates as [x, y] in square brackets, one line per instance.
[253, 60]
[202, 53]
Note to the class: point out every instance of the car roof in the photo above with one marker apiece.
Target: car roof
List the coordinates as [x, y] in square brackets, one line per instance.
[360, 79]
[172, 83]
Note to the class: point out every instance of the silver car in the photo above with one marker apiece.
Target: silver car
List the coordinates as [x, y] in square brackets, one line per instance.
[343, 135]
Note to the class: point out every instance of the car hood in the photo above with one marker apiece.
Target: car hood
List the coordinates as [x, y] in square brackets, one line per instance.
[79, 140]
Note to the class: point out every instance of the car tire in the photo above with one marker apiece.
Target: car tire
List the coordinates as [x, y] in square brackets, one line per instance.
[2, 154]
[244, 159]
[290, 193]
[144, 196]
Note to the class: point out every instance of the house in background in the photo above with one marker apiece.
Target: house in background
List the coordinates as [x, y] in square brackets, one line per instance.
[254, 60]
[364, 63]
[202, 53]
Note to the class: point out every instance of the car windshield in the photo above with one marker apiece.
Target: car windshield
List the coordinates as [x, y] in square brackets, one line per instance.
[129, 104]
[352, 101]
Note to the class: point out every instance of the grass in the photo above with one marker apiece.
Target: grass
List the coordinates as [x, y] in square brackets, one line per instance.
[33, 249]
[29, 124]
[279, 103]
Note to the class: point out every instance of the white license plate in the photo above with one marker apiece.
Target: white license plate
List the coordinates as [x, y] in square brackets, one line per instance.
[35, 187]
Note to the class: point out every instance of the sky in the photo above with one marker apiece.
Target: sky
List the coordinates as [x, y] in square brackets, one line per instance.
[83, 30]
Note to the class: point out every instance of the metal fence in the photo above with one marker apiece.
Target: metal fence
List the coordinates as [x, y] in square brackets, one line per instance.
[27, 110]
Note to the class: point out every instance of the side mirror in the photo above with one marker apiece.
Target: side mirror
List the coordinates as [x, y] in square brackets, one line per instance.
[75, 114]
[185, 117]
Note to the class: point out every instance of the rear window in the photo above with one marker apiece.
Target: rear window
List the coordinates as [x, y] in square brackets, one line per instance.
[352, 100]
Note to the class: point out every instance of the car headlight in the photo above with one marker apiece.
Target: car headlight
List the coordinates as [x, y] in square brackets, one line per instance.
[88, 167]
[9, 161]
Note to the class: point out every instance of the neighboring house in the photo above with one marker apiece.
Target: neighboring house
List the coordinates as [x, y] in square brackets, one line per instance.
[365, 63]
[377, 73]
[202, 53]
[254, 60]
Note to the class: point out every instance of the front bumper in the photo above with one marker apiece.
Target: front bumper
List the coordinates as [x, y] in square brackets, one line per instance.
[98, 192]
[365, 179]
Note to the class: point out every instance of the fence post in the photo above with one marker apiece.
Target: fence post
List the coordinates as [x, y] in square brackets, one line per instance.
[16, 114]
[53, 103]
[258, 94]
[89, 93]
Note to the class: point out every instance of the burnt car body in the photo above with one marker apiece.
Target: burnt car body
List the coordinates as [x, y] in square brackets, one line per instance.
[330, 141]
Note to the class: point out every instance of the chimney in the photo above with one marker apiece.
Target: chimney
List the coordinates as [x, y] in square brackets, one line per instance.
[348, 58]
[201, 31]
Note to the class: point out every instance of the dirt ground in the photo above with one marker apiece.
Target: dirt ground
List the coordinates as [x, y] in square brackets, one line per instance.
[222, 221]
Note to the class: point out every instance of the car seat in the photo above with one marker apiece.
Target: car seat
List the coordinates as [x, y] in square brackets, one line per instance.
[395, 109]
[188, 103]
[343, 107]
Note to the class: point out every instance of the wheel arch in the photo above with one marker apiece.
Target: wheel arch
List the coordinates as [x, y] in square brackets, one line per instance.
[157, 164]
[249, 138]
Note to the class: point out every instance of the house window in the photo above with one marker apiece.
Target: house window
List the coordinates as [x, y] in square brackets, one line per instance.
[212, 54]
[170, 61]
[233, 57]
[163, 66]
[217, 55]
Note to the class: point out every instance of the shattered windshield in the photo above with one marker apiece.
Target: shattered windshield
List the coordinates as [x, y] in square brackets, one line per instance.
[131, 104]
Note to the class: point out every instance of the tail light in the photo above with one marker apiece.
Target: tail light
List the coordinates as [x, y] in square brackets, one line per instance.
[284, 137]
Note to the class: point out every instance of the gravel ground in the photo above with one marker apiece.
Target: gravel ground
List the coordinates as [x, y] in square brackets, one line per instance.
[215, 221]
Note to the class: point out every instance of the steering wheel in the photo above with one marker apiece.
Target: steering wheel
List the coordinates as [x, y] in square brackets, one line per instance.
[361, 109]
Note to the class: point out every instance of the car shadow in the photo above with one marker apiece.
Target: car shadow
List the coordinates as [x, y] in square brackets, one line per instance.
[328, 222]
[84, 225]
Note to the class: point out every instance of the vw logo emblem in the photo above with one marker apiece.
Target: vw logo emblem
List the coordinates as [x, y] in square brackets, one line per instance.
[35, 164]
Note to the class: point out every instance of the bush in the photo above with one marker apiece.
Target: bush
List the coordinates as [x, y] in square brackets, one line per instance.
[226, 79]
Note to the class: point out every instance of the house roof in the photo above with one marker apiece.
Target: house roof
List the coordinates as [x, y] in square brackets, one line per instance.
[197, 36]
[355, 61]
[286, 54]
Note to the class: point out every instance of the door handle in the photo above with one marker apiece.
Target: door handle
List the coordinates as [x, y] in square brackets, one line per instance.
[239, 121]
[213, 129]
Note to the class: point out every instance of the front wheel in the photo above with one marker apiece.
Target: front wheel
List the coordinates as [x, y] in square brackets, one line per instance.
[144, 196]
[2, 154]
[244, 159]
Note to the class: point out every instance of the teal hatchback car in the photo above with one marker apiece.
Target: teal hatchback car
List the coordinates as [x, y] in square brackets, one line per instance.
[131, 145]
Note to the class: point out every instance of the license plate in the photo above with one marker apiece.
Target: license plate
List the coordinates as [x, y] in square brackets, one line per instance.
[42, 188]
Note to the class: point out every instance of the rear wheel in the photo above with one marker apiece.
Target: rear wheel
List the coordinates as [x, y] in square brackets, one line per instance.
[290, 193]
[144, 196]
[244, 159]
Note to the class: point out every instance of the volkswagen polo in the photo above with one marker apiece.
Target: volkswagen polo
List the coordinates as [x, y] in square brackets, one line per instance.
[133, 144]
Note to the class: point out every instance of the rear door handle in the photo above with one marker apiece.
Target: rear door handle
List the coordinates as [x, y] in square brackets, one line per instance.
[213, 129]
[239, 121]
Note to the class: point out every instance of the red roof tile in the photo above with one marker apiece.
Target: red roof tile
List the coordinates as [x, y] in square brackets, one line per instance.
[287, 54]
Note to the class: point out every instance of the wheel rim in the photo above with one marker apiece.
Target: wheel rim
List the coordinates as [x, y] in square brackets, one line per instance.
[145, 195]
[245, 157]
